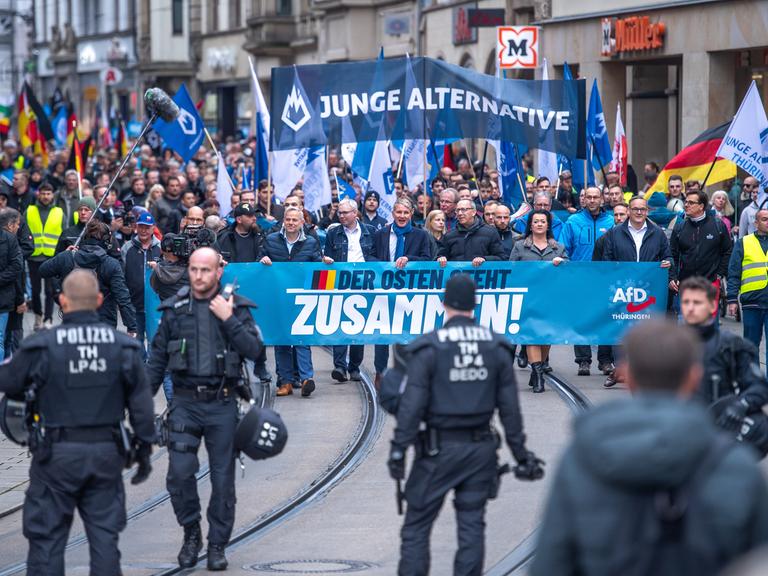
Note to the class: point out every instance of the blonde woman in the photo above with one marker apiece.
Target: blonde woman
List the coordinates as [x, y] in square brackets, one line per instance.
[434, 226]
[723, 208]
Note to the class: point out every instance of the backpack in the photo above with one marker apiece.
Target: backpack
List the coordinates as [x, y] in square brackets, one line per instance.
[395, 379]
[659, 541]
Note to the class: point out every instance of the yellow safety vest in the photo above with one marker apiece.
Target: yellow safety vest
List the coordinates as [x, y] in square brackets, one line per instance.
[754, 266]
[46, 237]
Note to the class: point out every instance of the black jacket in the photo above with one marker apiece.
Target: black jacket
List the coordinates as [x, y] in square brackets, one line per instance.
[466, 244]
[36, 360]
[111, 280]
[336, 243]
[306, 249]
[168, 278]
[620, 247]
[135, 260]
[190, 338]
[700, 249]
[11, 267]
[69, 237]
[417, 245]
[377, 221]
[228, 245]
[508, 238]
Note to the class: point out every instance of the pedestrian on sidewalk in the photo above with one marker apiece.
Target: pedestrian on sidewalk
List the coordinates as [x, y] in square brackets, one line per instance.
[748, 281]
[648, 485]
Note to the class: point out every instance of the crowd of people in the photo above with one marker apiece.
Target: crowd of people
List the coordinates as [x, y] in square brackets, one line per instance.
[157, 204]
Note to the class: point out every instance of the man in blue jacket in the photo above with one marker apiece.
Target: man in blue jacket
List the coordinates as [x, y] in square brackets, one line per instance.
[348, 241]
[291, 244]
[578, 236]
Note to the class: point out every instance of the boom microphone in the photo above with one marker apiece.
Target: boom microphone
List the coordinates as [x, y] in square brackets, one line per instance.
[159, 103]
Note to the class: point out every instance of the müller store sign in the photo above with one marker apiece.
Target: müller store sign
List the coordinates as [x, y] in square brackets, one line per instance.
[632, 34]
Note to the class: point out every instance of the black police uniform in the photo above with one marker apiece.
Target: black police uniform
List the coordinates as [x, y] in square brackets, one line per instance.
[86, 374]
[734, 381]
[204, 356]
[457, 377]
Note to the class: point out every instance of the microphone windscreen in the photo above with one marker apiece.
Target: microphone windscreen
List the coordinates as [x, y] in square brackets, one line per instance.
[158, 102]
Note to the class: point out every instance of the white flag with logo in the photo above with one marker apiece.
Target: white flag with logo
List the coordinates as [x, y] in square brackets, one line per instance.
[287, 169]
[381, 179]
[317, 184]
[547, 160]
[223, 187]
[746, 142]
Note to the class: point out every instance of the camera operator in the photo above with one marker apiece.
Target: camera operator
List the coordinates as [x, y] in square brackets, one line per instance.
[169, 274]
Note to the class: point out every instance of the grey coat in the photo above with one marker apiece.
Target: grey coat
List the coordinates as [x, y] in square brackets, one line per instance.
[525, 251]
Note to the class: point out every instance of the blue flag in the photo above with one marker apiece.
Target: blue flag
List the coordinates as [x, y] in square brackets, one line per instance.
[510, 175]
[345, 190]
[364, 151]
[59, 125]
[185, 134]
[599, 146]
[575, 165]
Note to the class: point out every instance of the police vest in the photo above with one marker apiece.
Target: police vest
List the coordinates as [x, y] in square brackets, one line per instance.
[45, 237]
[197, 346]
[754, 274]
[83, 376]
[464, 381]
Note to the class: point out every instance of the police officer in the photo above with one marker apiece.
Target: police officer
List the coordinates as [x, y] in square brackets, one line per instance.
[83, 374]
[733, 383]
[456, 398]
[202, 339]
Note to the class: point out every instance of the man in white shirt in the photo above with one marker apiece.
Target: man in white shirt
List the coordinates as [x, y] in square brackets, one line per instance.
[348, 241]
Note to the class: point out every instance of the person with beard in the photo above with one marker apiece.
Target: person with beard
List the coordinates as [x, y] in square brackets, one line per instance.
[92, 255]
[21, 196]
[188, 200]
[45, 221]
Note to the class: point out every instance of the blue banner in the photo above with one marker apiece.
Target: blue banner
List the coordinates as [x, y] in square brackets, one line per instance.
[309, 103]
[375, 303]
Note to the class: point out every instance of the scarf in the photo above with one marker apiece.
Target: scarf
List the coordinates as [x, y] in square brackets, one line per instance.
[400, 234]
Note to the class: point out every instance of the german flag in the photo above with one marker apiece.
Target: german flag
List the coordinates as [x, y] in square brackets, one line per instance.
[76, 161]
[121, 144]
[323, 280]
[693, 161]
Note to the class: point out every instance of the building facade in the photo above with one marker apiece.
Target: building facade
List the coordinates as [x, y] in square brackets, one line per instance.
[676, 68]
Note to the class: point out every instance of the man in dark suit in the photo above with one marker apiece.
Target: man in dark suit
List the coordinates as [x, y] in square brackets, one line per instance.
[399, 242]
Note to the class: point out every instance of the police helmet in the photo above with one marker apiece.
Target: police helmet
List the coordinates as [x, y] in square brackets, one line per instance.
[261, 434]
[13, 420]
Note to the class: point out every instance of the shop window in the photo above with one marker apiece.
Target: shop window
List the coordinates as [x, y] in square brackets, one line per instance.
[177, 17]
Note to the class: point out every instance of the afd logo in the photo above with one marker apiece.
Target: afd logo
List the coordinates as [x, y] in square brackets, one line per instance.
[295, 111]
[518, 46]
[636, 299]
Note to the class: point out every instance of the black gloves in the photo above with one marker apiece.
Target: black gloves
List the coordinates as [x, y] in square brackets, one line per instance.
[396, 462]
[143, 452]
[529, 467]
[733, 414]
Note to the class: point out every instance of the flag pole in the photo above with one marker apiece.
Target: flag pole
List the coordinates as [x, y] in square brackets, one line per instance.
[482, 166]
[400, 163]
[79, 175]
[474, 175]
[218, 155]
[425, 183]
[269, 184]
[602, 166]
[519, 179]
[709, 172]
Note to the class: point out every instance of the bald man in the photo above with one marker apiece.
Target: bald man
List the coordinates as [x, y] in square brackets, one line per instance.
[84, 374]
[202, 340]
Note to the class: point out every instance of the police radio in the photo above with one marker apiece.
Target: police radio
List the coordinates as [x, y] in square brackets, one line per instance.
[228, 290]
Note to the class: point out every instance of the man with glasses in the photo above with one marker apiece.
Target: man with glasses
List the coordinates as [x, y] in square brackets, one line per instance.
[471, 240]
[350, 241]
[448, 199]
[541, 201]
[700, 243]
[747, 220]
[675, 194]
[637, 239]
[579, 234]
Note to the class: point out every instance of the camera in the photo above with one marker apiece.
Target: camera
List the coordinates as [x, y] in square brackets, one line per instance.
[190, 239]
